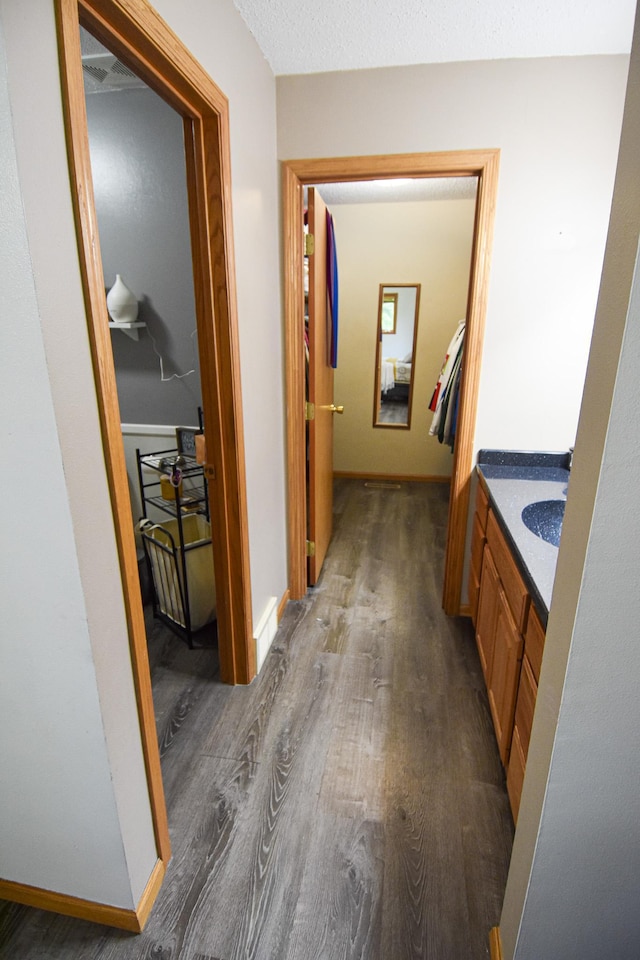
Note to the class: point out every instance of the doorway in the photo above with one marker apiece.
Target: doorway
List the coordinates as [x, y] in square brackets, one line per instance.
[300, 173]
[136, 142]
[141, 40]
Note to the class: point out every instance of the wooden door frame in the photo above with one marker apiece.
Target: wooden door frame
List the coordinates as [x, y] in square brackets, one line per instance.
[296, 174]
[136, 34]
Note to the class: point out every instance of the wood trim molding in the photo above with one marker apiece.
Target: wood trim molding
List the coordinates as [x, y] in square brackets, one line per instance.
[468, 397]
[393, 477]
[295, 374]
[150, 893]
[482, 164]
[133, 30]
[120, 917]
[136, 33]
[495, 944]
[104, 373]
[282, 606]
[139, 36]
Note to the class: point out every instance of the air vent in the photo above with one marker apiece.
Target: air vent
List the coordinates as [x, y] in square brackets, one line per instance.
[96, 72]
[120, 69]
[103, 71]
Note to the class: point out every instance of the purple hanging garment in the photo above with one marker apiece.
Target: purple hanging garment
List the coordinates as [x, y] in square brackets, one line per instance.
[332, 292]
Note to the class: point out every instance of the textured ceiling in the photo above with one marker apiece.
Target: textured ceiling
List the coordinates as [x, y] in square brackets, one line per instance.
[327, 35]
[399, 191]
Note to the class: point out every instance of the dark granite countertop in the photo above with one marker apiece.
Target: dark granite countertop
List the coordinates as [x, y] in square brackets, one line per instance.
[513, 480]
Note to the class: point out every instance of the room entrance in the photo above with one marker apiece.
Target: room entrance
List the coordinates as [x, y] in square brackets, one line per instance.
[141, 40]
[296, 175]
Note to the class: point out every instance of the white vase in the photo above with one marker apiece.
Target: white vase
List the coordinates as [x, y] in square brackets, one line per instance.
[121, 302]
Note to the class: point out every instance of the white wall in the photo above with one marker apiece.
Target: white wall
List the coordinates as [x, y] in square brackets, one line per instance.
[427, 243]
[557, 124]
[217, 36]
[71, 668]
[68, 822]
[573, 885]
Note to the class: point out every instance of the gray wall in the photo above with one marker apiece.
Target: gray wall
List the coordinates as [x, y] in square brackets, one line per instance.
[573, 886]
[139, 174]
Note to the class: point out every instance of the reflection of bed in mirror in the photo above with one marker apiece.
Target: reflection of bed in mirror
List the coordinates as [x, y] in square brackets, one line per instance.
[395, 378]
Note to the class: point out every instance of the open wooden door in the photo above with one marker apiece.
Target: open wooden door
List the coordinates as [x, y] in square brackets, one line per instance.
[320, 476]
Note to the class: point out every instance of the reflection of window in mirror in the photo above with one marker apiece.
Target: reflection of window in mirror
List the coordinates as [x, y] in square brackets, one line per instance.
[389, 311]
[397, 332]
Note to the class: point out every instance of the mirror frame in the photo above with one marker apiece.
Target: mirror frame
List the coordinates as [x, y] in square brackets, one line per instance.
[379, 334]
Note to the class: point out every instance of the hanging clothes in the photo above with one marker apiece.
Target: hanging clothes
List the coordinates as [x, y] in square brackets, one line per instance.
[444, 401]
[332, 292]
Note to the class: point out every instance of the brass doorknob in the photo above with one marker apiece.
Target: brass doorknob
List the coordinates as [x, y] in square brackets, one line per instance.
[335, 409]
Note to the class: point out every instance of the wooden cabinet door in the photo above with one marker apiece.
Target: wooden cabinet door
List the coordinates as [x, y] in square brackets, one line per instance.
[534, 642]
[478, 541]
[525, 706]
[512, 582]
[505, 675]
[515, 773]
[487, 613]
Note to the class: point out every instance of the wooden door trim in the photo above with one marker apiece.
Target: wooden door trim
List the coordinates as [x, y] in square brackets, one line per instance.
[482, 164]
[134, 31]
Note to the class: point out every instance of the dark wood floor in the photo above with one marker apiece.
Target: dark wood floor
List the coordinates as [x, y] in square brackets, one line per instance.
[393, 411]
[350, 803]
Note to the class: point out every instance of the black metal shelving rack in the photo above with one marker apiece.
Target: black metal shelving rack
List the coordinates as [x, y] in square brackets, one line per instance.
[168, 570]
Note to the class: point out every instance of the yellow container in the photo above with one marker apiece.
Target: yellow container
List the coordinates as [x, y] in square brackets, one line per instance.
[167, 489]
[166, 554]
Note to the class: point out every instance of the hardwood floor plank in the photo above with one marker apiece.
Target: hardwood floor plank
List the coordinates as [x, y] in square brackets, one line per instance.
[254, 715]
[425, 913]
[339, 908]
[353, 778]
[487, 838]
[248, 907]
[205, 827]
[350, 802]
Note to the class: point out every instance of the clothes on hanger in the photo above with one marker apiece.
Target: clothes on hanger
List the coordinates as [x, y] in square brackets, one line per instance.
[332, 291]
[444, 401]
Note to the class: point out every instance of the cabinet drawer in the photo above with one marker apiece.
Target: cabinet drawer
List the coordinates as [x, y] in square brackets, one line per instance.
[525, 704]
[504, 677]
[482, 506]
[515, 774]
[512, 582]
[534, 642]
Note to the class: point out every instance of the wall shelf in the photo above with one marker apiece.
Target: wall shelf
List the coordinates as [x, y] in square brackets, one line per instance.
[131, 329]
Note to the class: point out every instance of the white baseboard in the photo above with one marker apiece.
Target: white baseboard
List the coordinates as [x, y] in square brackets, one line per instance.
[150, 429]
[265, 631]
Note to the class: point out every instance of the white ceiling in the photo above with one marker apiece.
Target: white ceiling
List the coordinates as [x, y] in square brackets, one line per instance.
[298, 37]
[399, 191]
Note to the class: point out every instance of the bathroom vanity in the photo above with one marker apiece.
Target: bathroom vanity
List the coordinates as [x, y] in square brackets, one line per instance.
[516, 530]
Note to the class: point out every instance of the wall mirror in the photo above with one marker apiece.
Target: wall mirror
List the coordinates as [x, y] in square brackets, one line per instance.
[397, 333]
